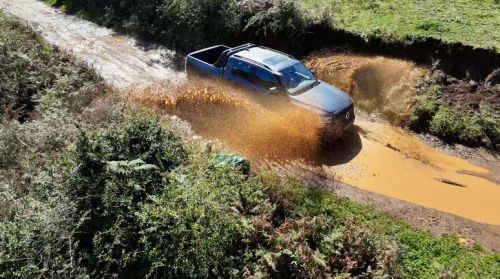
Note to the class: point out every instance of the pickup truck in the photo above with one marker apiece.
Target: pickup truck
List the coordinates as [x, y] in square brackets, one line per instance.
[267, 71]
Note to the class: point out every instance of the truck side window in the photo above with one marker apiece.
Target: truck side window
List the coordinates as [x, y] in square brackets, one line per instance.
[265, 79]
[242, 70]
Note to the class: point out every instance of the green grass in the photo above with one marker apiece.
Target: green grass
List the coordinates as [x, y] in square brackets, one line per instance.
[471, 22]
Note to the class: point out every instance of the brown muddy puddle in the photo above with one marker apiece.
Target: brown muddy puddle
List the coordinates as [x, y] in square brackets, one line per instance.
[396, 164]
[373, 156]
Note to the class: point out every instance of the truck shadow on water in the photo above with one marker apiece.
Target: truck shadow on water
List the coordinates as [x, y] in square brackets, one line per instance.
[342, 150]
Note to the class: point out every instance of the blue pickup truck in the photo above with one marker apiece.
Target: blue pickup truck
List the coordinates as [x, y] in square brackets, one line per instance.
[268, 71]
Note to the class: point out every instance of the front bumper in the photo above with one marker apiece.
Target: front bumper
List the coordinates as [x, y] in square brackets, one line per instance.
[344, 119]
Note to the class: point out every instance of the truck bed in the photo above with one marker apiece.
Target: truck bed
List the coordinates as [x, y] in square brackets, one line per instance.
[210, 62]
[209, 55]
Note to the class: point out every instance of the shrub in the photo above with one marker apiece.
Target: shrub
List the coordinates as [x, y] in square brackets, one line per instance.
[117, 170]
[446, 123]
[37, 236]
[197, 228]
[281, 18]
[424, 109]
[32, 70]
[473, 129]
[180, 24]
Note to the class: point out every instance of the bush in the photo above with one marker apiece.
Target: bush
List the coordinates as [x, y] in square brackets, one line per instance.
[38, 239]
[446, 123]
[473, 129]
[424, 109]
[32, 70]
[117, 170]
[281, 18]
[181, 24]
[197, 228]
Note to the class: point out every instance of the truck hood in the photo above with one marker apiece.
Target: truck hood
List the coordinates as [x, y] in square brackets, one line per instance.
[324, 97]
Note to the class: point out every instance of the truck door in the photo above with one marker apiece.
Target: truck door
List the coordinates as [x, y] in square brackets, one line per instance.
[271, 93]
[241, 72]
[266, 81]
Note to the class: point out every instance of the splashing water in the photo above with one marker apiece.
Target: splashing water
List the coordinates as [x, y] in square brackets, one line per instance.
[245, 124]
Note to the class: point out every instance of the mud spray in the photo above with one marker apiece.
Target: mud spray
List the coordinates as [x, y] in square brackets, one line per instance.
[245, 124]
[372, 155]
[376, 84]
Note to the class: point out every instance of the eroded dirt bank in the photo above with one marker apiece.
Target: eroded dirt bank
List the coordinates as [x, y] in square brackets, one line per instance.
[374, 156]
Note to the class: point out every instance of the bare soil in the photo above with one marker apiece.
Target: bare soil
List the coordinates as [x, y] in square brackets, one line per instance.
[125, 63]
[470, 96]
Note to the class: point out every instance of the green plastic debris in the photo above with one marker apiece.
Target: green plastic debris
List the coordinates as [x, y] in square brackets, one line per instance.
[237, 162]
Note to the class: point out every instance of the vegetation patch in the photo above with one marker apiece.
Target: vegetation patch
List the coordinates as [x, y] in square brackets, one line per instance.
[458, 111]
[99, 190]
[473, 23]
[468, 22]
[133, 198]
[32, 71]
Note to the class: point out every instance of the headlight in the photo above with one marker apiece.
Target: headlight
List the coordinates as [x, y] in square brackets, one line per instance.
[326, 119]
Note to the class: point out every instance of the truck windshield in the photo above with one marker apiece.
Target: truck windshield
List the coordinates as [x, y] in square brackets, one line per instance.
[297, 78]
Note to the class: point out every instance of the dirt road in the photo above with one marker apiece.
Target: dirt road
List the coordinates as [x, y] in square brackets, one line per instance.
[123, 62]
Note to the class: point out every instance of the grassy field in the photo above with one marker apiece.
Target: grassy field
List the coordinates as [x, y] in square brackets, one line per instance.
[471, 22]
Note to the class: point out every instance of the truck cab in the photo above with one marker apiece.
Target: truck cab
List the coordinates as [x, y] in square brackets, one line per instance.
[267, 71]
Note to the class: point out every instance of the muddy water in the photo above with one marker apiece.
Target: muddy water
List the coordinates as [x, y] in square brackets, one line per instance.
[377, 84]
[398, 165]
[393, 163]
[372, 156]
[244, 124]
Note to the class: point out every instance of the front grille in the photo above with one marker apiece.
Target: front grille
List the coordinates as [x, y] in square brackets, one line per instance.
[344, 112]
[345, 117]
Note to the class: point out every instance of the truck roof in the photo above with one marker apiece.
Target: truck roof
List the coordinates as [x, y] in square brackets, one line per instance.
[272, 58]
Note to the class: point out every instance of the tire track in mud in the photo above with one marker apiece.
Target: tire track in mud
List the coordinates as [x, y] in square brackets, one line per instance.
[292, 150]
[122, 61]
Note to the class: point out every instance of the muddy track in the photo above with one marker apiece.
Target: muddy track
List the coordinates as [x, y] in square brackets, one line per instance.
[121, 61]
[124, 62]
